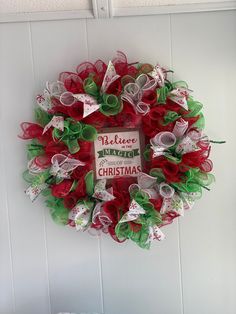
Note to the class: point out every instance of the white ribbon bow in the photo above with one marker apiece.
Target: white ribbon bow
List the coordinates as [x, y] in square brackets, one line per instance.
[180, 127]
[172, 202]
[159, 74]
[146, 184]
[161, 142]
[62, 165]
[180, 95]
[133, 92]
[34, 191]
[80, 215]
[57, 122]
[101, 193]
[54, 89]
[155, 233]
[189, 142]
[133, 213]
[99, 214]
[90, 103]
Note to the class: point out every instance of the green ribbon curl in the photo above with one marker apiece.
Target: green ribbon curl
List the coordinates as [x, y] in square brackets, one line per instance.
[194, 107]
[89, 182]
[162, 94]
[34, 149]
[170, 116]
[59, 213]
[150, 218]
[195, 181]
[42, 117]
[110, 105]
[90, 87]
[73, 131]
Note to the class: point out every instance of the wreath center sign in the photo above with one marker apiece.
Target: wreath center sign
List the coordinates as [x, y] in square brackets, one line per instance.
[117, 154]
[117, 148]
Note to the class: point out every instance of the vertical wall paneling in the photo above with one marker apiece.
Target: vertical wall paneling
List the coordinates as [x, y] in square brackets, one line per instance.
[7, 302]
[26, 221]
[133, 278]
[73, 258]
[46, 268]
[204, 53]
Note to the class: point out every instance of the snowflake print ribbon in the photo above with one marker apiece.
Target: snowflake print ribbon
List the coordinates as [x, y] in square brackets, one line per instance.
[82, 216]
[159, 74]
[100, 216]
[180, 128]
[54, 89]
[179, 95]
[101, 193]
[57, 122]
[34, 191]
[110, 77]
[155, 233]
[133, 213]
[172, 202]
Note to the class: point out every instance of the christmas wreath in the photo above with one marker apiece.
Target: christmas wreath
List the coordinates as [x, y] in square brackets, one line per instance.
[117, 148]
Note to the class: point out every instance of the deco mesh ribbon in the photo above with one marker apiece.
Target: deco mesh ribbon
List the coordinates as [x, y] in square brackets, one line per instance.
[69, 114]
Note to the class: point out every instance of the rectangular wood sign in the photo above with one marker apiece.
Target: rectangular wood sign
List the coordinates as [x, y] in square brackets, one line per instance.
[117, 154]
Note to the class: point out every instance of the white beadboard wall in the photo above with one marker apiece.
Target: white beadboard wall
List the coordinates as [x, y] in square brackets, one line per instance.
[45, 268]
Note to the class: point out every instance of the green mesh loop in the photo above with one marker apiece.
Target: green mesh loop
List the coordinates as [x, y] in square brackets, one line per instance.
[90, 87]
[42, 117]
[110, 105]
[170, 116]
[88, 133]
[89, 182]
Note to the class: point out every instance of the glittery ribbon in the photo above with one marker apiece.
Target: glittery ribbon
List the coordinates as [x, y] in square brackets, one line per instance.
[189, 142]
[146, 184]
[135, 210]
[155, 233]
[81, 214]
[101, 193]
[38, 182]
[133, 93]
[57, 122]
[34, 191]
[172, 202]
[37, 165]
[180, 128]
[180, 94]
[101, 216]
[159, 74]
[62, 165]
[54, 89]
[161, 142]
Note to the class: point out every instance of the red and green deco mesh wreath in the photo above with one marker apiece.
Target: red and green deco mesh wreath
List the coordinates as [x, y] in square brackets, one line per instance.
[117, 148]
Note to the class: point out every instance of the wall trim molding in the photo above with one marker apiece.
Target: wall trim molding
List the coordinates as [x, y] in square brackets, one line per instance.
[180, 8]
[104, 9]
[45, 16]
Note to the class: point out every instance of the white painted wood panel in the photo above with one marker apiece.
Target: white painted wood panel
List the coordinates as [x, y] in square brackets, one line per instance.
[204, 53]
[73, 258]
[132, 278]
[26, 221]
[46, 268]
